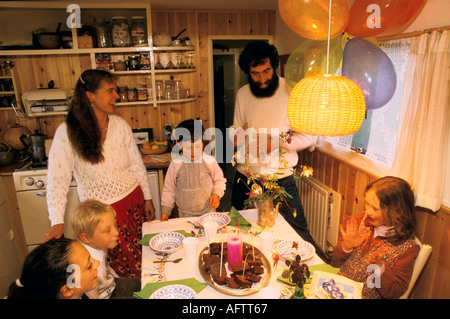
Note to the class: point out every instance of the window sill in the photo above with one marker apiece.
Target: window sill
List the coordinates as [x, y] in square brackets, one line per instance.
[352, 158]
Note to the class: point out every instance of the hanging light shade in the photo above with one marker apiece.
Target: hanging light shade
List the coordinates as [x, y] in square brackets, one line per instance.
[326, 105]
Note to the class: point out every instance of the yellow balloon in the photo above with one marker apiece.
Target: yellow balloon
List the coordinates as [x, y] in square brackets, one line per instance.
[310, 58]
[309, 18]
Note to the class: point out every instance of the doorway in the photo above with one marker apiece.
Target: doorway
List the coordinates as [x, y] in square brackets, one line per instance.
[225, 79]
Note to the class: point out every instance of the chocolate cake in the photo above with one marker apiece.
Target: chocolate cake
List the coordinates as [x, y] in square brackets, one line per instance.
[242, 281]
[244, 274]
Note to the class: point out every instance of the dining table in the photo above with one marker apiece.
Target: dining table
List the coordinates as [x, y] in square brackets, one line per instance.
[248, 229]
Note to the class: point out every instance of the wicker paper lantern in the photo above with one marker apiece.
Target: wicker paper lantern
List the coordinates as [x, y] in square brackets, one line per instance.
[326, 105]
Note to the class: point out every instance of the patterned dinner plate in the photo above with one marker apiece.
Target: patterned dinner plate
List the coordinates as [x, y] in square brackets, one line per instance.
[174, 292]
[285, 248]
[220, 218]
[166, 242]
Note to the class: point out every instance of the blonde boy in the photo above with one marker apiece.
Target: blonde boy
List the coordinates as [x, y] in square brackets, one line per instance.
[94, 224]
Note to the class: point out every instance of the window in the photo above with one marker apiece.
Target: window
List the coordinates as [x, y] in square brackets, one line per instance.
[378, 134]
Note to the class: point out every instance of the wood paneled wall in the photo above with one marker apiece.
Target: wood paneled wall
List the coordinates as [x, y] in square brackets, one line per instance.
[34, 72]
[433, 228]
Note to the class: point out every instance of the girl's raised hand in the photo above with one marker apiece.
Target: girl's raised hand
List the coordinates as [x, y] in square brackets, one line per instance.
[351, 238]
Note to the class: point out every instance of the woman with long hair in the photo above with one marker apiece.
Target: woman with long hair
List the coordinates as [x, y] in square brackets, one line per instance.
[99, 148]
[379, 242]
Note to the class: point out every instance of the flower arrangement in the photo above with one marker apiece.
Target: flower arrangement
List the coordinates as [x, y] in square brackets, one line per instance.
[266, 188]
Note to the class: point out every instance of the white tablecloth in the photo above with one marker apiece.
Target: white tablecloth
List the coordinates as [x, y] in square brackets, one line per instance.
[189, 268]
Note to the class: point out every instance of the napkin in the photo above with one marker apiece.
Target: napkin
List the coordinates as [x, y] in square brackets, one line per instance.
[322, 267]
[235, 217]
[146, 239]
[150, 288]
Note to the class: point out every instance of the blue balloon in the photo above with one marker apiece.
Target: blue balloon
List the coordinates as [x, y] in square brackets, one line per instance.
[369, 67]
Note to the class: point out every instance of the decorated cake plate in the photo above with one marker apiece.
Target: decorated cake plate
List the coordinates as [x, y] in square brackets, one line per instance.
[265, 277]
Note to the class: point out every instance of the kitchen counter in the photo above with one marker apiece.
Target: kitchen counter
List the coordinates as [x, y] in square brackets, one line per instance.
[8, 170]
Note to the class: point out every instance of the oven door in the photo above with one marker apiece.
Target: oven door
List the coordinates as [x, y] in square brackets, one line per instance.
[34, 214]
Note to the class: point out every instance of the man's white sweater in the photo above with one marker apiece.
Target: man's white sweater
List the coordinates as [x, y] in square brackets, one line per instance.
[265, 114]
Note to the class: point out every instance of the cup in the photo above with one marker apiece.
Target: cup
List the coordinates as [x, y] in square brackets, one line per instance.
[267, 240]
[210, 231]
[190, 247]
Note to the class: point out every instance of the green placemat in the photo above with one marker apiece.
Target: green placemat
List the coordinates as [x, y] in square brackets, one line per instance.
[150, 288]
[235, 217]
[146, 239]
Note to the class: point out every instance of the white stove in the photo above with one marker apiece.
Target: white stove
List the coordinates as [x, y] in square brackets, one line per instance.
[30, 183]
[32, 177]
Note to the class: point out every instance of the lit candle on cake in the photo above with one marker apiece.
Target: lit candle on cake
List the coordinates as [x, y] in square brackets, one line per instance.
[234, 246]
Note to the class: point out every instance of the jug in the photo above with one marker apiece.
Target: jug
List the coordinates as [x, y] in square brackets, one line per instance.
[37, 141]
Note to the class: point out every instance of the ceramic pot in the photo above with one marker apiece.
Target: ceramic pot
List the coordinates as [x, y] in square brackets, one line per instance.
[6, 154]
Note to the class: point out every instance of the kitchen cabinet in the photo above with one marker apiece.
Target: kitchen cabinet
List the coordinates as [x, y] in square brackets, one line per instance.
[48, 14]
[10, 264]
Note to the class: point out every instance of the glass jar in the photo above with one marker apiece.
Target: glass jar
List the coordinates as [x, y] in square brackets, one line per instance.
[138, 31]
[169, 93]
[159, 89]
[104, 35]
[132, 95]
[120, 32]
[177, 89]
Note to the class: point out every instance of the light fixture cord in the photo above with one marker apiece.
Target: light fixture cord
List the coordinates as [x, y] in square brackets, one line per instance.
[329, 31]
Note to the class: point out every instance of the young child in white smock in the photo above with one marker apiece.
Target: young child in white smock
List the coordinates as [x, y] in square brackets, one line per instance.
[194, 180]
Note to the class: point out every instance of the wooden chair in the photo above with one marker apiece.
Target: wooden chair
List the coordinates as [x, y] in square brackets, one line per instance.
[421, 259]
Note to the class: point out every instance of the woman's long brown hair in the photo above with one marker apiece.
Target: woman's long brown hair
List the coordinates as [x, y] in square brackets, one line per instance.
[397, 204]
[82, 126]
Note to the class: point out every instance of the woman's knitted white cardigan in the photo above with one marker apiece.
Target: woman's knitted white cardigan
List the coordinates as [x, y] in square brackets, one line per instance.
[109, 181]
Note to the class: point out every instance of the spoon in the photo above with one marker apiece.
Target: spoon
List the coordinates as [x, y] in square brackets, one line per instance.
[176, 261]
[195, 226]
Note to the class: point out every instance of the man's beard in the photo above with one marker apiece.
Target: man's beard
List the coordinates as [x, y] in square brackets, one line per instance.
[268, 91]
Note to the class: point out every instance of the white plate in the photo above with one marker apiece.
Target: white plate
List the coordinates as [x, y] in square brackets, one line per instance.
[220, 218]
[166, 243]
[174, 292]
[305, 249]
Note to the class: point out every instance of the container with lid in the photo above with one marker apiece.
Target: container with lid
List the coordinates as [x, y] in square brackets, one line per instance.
[120, 32]
[132, 95]
[123, 93]
[134, 62]
[142, 94]
[138, 31]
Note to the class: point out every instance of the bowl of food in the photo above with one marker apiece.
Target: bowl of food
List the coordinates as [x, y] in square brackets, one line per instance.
[154, 148]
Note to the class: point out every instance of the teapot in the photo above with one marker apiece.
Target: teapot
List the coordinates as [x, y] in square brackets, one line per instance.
[162, 39]
[37, 141]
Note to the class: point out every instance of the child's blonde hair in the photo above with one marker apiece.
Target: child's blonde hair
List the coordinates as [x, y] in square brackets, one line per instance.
[87, 216]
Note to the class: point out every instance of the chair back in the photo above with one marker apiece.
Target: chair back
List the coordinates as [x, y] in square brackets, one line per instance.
[421, 259]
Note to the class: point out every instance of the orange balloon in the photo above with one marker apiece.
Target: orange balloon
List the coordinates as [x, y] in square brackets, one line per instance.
[309, 18]
[370, 18]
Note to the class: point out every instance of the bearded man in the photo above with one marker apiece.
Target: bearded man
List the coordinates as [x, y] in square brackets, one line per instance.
[261, 106]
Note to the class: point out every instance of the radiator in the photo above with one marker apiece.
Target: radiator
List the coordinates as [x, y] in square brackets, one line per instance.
[322, 208]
